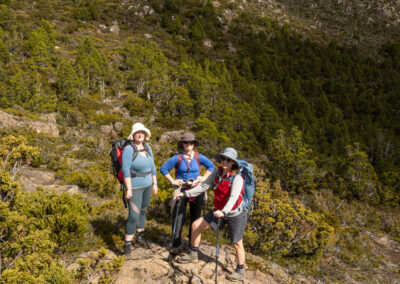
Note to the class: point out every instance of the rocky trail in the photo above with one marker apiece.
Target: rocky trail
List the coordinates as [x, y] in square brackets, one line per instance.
[154, 265]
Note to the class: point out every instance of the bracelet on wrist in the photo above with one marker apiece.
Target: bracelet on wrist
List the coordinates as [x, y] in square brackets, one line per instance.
[172, 182]
[154, 183]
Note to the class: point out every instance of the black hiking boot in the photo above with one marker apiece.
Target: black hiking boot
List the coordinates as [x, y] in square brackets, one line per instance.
[140, 239]
[127, 250]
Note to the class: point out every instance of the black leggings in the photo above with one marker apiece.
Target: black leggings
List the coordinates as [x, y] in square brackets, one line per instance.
[195, 213]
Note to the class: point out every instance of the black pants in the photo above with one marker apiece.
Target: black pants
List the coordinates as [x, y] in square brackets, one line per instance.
[195, 213]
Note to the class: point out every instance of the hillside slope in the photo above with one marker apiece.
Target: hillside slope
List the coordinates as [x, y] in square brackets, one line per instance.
[306, 91]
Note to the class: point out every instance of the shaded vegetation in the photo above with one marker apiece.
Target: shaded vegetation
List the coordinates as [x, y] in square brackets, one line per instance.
[320, 122]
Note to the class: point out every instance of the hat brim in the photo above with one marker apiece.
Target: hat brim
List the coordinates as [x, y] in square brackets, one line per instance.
[145, 131]
[218, 158]
[196, 143]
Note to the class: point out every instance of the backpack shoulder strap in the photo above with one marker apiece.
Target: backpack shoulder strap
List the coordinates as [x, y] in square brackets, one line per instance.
[180, 158]
[217, 176]
[197, 158]
[135, 149]
[147, 148]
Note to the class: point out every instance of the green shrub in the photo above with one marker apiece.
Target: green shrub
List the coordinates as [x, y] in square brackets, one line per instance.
[96, 264]
[136, 105]
[16, 153]
[32, 225]
[293, 162]
[283, 227]
[360, 176]
[36, 268]
[8, 188]
[102, 119]
[93, 178]
[65, 215]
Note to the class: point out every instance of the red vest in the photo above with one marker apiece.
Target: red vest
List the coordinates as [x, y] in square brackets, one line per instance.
[222, 191]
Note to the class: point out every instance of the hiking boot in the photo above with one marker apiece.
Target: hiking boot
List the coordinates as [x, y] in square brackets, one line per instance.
[140, 239]
[189, 257]
[175, 250]
[237, 275]
[127, 251]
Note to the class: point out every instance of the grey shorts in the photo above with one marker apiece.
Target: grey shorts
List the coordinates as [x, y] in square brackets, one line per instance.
[236, 225]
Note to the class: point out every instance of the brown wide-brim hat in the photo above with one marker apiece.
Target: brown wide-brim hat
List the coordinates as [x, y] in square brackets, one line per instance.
[187, 137]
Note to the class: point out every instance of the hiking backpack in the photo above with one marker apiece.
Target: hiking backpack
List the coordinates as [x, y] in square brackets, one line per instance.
[250, 184]
[116, 159]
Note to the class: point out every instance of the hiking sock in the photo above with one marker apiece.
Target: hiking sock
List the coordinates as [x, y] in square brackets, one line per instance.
[240, 268]
[140, 238]
[193, 249]
[127, 248]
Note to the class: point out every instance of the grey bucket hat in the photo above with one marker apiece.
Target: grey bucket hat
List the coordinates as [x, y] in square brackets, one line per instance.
[187, 137]
[228, 153]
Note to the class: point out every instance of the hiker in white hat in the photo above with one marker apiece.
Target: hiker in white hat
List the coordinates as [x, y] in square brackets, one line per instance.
[228, 187]
[139, 173]
[139, 127]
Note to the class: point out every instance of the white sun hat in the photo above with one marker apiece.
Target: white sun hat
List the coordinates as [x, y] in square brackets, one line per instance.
[139, 127]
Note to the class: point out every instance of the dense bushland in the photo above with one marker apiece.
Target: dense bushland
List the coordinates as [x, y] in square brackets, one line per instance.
[320, 121]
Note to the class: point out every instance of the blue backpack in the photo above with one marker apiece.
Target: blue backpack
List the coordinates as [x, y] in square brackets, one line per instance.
[250, 184]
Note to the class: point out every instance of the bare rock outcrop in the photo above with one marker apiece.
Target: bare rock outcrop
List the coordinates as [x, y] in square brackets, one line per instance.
[47, 126]
[30, 179]
[115, 28]
[171, 136]
[153, 265]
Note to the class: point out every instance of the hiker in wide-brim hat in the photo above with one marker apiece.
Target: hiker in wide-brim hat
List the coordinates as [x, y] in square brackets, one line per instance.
[187, 137]
[140, 178]
[229, 153]
[228, 188]
[187, 164]
[138, 126]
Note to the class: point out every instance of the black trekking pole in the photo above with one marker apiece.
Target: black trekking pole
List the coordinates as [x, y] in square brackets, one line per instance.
[123, 189]
[178, 206]
[217, 252]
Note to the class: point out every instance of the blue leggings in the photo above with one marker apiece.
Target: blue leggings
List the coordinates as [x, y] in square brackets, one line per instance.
[138, 204]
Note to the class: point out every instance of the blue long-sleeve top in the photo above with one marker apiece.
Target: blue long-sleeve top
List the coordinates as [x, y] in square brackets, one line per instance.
[142, 164]
[186, 170]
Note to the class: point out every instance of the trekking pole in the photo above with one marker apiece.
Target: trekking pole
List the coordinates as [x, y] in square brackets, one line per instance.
[217, 252]
[123, 189]
[178, 206]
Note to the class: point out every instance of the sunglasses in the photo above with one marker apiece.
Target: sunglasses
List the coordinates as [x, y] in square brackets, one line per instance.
[226, 159]
[188, 142]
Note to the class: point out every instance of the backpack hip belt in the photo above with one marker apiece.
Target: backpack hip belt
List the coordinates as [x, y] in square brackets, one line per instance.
[133, 175]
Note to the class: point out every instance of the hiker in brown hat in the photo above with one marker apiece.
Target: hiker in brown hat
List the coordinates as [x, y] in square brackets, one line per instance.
[187, 173]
